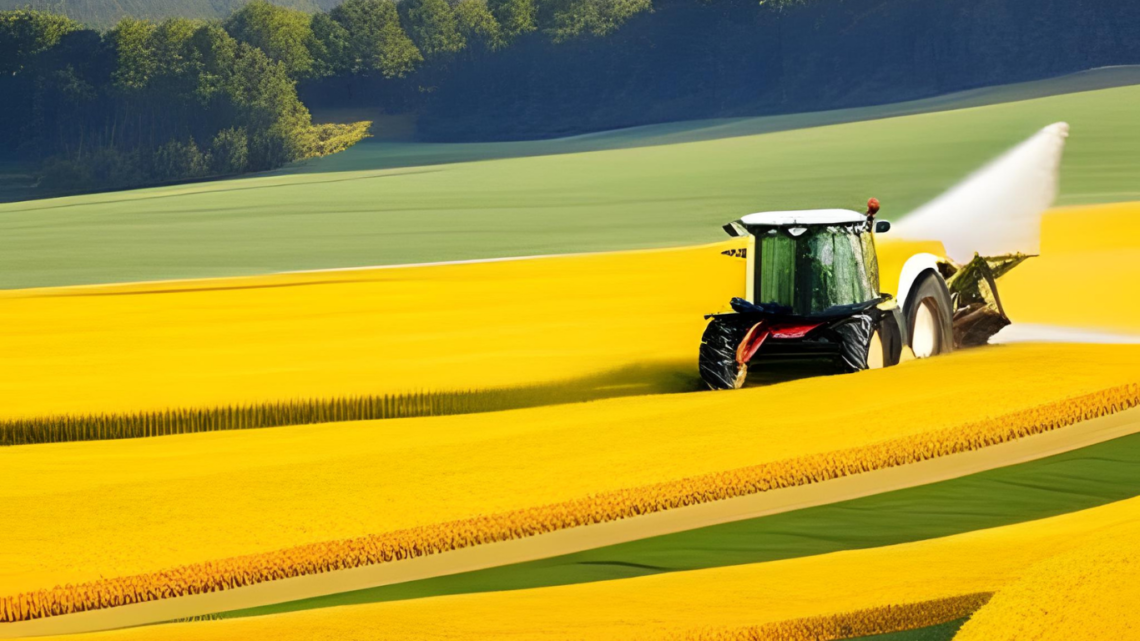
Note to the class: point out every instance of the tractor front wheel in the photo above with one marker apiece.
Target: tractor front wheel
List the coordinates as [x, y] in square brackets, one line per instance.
[718, 365]
[928, 316]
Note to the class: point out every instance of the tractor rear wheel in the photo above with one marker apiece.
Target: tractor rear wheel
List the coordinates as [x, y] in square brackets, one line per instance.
[928, 317]
[717, 362]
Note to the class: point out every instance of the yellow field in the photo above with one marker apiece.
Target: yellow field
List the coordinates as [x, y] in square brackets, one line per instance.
[1088, 274]
[143, 505]
[133, 348]
[456, 327]
[146, 506]
[676, 604]
[1087, 594]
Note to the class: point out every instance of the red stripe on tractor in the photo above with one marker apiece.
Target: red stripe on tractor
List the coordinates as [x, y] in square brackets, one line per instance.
[760, 332]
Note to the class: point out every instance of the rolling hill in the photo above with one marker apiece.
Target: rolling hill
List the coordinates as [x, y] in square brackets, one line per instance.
[389, 204]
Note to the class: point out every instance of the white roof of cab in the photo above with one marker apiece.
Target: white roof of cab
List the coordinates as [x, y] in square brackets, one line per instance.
[805, 217]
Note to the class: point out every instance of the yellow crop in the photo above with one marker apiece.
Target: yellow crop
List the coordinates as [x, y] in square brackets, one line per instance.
[241, 341]
[1088, 274]
[665, 606]
[160, 517]
[176, 357]
[1088, 594]
[848, 625]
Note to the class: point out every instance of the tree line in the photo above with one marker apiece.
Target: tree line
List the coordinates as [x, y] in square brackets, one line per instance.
[148, 102]
[694, 59]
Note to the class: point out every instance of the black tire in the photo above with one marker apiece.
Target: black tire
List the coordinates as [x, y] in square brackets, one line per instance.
[935, 332]
[717, 362]
[884, 346]
[855, 336]
[890, 336]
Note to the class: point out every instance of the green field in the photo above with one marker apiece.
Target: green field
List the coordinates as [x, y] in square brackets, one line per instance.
[385, 203]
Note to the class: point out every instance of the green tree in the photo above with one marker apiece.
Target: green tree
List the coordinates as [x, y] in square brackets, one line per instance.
[433, 26]
[477, 24]
[264, 98]
[330, 47]
[284, 35]
[229, 152]
[132, 41]
[151, 53]
[176, 63]
[515, 17]
[26, 34]
[574, 18]
[178, 160]
[376, 41]
[214, 51]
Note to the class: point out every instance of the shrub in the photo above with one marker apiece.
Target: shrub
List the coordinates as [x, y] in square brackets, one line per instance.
[177, 160]
[229, 152]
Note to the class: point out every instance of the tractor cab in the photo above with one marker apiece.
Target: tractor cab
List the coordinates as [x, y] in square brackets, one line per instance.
[808, 263]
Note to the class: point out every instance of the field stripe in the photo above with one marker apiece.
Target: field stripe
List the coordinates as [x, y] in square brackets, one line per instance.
[582, 538]
[1076, 480]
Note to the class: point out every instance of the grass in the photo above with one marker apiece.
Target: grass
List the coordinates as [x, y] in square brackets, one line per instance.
[351, 211]
[411, 154]
[940, 632]
[1069, 482]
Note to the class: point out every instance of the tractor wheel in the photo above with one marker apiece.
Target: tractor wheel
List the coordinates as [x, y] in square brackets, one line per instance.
[886, 343]
[718, 365]
[868, 343]
[875, 356]
[928, 317]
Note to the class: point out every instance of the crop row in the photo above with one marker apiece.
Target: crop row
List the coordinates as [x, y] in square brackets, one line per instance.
[441, 537]
[98, 427]
[850, 625]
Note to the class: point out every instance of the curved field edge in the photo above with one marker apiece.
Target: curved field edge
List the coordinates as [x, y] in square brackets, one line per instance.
[1077, 480]
[851, 625]
[430, 539]
[621, 199]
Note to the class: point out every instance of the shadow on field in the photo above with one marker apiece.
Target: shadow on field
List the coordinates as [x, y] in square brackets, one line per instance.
[762, 374]
[635, 380]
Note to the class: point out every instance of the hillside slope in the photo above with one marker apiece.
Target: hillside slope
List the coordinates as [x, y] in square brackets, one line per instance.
[348, 212]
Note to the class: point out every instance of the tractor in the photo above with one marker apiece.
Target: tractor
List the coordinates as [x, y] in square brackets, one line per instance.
[813, 291]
